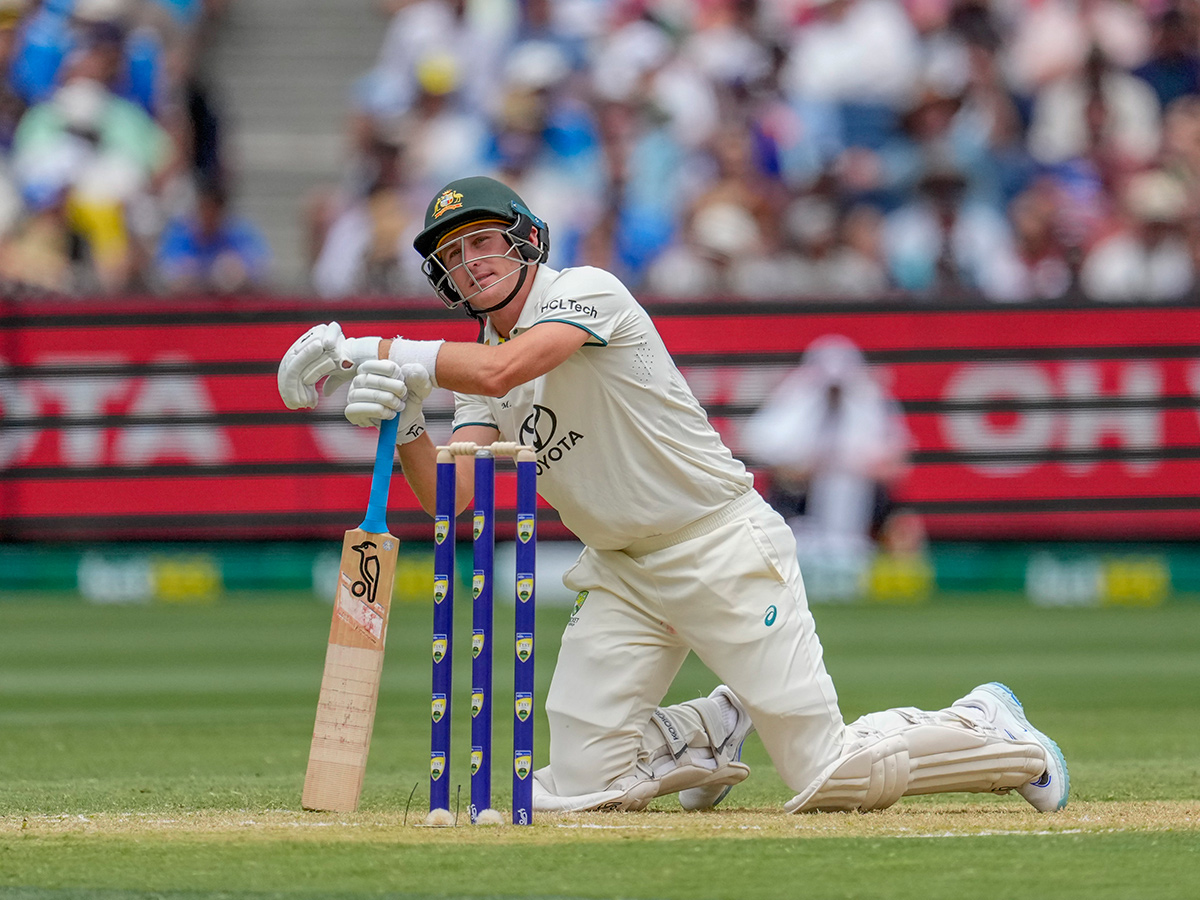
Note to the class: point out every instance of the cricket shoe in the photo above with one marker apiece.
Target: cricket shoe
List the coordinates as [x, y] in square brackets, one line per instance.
[1048, 792]
[709, 795]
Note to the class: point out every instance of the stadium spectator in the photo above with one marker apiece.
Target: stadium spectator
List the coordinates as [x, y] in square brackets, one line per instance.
[724, 45]
[639, 63]
[838, 254]
[102, 114]
[905, 133]
[851, 70]
[545, 144]
[861, 246]
[1181, 148]
[442, 135]
[133, 49]
[366, 248]
[464, 32]
[991, 111]
[611, 112]
[1100, 110]
[645, 172]
[212, 251]
[928, 129]
[11, 104]
[719, 251]
[110, 157]
[730, 231]
[1146, 255]
[11, 108]
[737, 179]
[1051, 40]
[40, 252]
[1041, 266]
[401, 143]
[1173, 70]
[944, 244]
[564, 27]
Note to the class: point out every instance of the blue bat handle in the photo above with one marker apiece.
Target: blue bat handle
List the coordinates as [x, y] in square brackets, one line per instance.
[385, 454]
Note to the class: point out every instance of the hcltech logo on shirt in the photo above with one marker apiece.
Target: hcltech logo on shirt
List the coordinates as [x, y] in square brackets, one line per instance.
[563, 304]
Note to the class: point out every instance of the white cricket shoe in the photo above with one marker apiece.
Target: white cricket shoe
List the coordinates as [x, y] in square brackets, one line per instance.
[1048, 792]
[710, 795]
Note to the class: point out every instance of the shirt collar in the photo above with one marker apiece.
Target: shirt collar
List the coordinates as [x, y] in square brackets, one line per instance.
[542, 280]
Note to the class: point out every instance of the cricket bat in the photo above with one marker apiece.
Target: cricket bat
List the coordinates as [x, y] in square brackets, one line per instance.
[337, 760]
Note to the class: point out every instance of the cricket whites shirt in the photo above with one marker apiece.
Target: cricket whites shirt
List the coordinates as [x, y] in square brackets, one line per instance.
[624, 449]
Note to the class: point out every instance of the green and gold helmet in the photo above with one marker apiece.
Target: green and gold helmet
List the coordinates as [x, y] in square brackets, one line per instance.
[477, 200]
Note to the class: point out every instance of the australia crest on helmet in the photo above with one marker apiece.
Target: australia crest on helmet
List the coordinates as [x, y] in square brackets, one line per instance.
[447, 200]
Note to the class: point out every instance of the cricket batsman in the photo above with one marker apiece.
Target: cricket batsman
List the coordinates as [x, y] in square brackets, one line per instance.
[681, 553]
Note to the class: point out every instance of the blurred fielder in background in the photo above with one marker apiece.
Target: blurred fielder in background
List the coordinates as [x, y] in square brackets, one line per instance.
[681, 554]
[835, 445]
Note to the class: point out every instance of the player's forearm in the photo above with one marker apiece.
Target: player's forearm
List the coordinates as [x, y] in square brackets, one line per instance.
[480, 369]
[418, 461]
[492, 371]
[468, 368]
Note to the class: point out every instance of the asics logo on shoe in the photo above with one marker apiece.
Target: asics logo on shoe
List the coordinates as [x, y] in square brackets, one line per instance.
[1042, 781]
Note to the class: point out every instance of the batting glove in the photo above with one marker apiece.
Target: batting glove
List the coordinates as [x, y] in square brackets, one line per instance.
[412, 420]
[383, 389]
[321, 352]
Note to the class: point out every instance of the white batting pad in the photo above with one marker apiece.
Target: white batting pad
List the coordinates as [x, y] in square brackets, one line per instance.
[908, 751]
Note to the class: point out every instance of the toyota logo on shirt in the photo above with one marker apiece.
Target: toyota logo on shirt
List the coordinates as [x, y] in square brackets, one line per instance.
[537, 431]
[540, 431]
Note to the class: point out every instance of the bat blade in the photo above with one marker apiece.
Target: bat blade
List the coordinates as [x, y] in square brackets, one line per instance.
[337, 760]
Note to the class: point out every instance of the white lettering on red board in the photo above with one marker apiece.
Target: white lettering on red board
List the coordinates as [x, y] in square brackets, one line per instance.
[1136, 425]
[85, 396]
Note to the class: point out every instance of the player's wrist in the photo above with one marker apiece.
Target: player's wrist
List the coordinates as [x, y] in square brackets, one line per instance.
[359, 350]
[423, 353]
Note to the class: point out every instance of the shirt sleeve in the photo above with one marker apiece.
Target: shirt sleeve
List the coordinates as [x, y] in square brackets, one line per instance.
[470, 409]
[588, 298]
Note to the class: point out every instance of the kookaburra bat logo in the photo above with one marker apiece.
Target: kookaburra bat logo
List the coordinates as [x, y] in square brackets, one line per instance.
[368, 572]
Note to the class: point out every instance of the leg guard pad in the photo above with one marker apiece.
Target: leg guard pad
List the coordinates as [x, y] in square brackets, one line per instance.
[682, 767]
[630, 797]
[906, 751]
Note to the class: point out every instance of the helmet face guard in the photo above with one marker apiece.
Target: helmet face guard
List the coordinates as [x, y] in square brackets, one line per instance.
[521, 249]
[486, 202]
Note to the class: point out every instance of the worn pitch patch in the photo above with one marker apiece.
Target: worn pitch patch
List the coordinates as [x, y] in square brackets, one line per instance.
[924, 820]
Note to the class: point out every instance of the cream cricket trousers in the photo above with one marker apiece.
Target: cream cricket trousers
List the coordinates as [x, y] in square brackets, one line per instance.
[734, 596]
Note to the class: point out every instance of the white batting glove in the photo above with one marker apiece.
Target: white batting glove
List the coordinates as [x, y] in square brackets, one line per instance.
[382, 389]
[412, 420]
[377, 392]
[321, 352]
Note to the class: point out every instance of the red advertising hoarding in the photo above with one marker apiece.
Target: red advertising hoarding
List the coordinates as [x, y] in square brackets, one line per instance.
[125, 419]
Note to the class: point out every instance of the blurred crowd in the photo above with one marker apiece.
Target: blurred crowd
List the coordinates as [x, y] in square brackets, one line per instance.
[112, 177]
[1013, 150]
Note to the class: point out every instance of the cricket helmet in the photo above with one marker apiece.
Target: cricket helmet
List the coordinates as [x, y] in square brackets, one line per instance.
[467, 201]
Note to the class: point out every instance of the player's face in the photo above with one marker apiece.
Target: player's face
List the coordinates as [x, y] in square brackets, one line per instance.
[482, 262]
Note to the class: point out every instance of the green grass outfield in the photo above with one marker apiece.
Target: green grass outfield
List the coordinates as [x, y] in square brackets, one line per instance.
[159, 752]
